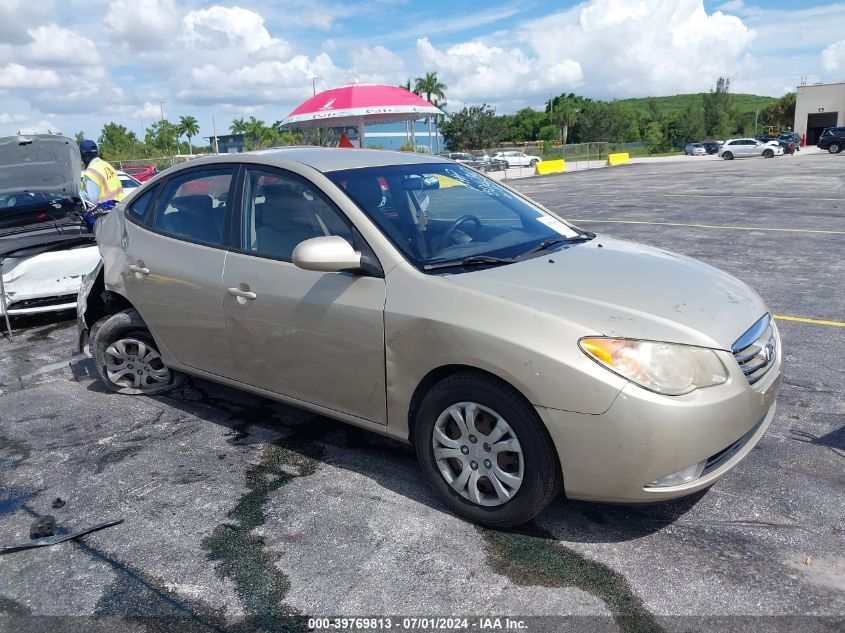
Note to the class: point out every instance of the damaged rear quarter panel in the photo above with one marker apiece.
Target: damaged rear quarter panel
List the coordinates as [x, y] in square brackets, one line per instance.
[431, 323]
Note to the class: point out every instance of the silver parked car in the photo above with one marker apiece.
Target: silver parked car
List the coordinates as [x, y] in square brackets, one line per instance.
[742, 147]
[417, 298]
[695, 149]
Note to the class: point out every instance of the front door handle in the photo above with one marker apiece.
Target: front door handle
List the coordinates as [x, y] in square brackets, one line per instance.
[242, 294]
[141, 270]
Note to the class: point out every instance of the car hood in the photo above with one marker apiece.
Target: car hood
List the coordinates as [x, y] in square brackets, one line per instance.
[44, 163]
[624, 289]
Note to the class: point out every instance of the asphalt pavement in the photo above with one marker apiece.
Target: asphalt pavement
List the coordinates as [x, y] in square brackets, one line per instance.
[242, 514]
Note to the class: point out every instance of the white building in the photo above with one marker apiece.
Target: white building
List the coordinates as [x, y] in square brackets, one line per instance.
[818, 106]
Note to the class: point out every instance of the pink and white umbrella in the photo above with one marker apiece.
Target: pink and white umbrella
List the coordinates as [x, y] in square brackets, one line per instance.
[358, 105]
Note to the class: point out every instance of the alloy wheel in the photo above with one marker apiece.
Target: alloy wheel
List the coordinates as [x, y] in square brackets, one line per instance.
[131, 362]
[478, 454]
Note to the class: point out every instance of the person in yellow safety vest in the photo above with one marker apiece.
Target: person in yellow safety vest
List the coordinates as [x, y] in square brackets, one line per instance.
[99, 180]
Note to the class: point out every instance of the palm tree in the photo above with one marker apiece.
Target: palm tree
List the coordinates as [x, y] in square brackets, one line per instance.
[563, 112]
[256, 131]
[238, 126]
[430, 86]
[190, 127]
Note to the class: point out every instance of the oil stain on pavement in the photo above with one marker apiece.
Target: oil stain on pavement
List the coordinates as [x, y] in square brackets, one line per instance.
[533, 557]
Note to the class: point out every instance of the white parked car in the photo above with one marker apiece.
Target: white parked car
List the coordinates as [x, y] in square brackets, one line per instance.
[513, 158]
[742, 147]
[129, 183]
[45, 245]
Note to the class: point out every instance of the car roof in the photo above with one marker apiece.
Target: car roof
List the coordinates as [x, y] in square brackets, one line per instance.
[323, 159]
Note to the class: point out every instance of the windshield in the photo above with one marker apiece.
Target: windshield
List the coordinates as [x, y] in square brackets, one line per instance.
[440, 212]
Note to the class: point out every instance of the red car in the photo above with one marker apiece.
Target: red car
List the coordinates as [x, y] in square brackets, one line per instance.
[141, 172]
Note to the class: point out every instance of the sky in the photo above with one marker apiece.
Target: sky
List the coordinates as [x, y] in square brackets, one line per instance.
[73, 65]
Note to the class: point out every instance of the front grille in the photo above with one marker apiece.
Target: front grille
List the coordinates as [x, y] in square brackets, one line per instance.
[757, 349]
[714, 461]
[42, 302]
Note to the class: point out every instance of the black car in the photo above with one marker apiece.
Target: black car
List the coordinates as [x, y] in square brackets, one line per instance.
[712, 147]
[832, 139]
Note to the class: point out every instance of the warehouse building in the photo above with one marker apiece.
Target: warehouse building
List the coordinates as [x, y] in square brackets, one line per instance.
[818, 106]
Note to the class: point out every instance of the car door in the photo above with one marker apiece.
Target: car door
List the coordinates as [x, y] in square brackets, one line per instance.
[313, 336]
[175, 250]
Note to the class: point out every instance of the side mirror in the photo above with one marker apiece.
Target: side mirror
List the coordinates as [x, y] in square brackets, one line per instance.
[328, 254]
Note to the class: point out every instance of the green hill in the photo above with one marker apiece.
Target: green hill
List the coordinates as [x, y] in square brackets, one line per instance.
[678, 103]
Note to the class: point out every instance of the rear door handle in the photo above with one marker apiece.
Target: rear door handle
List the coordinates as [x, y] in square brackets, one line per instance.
[139, 269]
[242, 294]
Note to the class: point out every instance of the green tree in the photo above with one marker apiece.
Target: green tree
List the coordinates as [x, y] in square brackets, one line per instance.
[433, 90]
[79, 137]
[654, 138]
[162, 135]
[691, 124]
[116, 142]
[238, 126]
[256, 133]
[781, 113]
[563, 111]
[719, 114]
[473, 127]
[189, 126]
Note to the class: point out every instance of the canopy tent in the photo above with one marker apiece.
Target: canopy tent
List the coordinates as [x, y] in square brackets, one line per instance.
[358, 105]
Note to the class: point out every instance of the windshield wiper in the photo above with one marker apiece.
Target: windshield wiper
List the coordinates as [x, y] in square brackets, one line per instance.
[582, 237]
[475, 260]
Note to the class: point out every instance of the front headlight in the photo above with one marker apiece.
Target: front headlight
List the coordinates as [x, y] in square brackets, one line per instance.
[666, 368]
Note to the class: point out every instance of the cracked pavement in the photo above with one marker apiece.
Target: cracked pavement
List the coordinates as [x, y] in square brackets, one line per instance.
[241, 514]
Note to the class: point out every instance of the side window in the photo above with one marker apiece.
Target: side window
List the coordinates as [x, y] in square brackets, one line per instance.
[139, 207]
[280, 211]
[193, 206]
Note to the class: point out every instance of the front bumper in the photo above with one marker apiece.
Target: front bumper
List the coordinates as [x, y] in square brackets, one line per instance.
[645, 436]
[47, 282]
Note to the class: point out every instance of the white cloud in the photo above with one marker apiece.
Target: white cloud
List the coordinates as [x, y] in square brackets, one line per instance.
[18, 16]
[17, 76]
[142, 24]
[377, 64]
[148, 111]
[54, 46]
[44, 126]
[6, 118]
[731, 5]
[222, 27]
[833, 57]
[642, 47]
[474, 71]
[261, 83]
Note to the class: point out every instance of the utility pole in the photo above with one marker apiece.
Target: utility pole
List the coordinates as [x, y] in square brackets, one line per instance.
[161, 109]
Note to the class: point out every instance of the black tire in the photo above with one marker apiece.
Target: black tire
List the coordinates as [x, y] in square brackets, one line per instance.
[129, 328]
[834, 148]
[542, 478]
[507, 165]
[533, 163]
[728, 155]
[767, 153]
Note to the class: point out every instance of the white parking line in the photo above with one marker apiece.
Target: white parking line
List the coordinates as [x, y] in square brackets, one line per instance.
[705, 226]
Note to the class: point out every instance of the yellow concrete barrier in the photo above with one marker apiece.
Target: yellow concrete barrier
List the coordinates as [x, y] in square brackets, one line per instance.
[446, 181]
[551, 167]
[622, 158]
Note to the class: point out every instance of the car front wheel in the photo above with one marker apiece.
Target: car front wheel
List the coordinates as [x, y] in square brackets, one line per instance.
[485, 451]
[767, 153]
[728, 156]
[834, 148]
[127, 359]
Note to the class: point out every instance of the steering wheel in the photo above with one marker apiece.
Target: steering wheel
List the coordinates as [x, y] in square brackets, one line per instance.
[447, 235]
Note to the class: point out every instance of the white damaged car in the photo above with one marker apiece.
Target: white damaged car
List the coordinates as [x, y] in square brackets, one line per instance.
[45, 244]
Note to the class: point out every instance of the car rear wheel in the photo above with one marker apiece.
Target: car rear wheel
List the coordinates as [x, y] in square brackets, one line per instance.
[127, 359]
[767, 153]
[728, 156]
[834, 148]
[485, 451]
